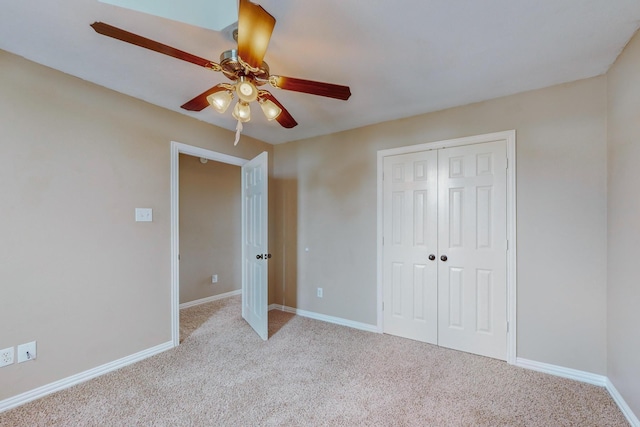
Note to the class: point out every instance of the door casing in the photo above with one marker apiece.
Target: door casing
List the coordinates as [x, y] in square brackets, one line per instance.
[178, 148]
[510, 138]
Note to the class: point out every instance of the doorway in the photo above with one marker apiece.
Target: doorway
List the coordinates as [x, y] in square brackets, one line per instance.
[446, 243]
[209, 226]
[177, 149]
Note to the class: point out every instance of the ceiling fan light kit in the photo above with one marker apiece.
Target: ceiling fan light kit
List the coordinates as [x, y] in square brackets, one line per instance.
[244, 66]
[220, 101]
[247, 91]
[270, 109]
[242, 112]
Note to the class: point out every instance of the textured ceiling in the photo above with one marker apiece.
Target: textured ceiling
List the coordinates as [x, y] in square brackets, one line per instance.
[399, 58]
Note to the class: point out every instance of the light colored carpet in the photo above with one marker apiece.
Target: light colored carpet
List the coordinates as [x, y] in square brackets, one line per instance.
[311, 373]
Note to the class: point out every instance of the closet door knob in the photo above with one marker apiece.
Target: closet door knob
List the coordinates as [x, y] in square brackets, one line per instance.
[443, 258]
[432, 257]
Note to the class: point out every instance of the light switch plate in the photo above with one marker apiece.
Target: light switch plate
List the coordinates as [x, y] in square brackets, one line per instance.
[27, 352]
[144, 214]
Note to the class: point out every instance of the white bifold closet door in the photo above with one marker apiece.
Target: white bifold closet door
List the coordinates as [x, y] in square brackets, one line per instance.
[444, 247]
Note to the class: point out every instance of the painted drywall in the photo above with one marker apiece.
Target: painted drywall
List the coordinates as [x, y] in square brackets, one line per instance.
[210, 228]
[326, 215]
[78, 275]
[624, 224]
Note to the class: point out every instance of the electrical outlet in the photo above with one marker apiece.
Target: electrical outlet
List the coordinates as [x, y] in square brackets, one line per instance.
[6, 356]
[27, 352]
[319, 292]
[214, 278]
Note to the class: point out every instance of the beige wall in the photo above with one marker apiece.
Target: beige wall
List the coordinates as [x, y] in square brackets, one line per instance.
[77, 274]
[326, 202]
[624, 225]
[210, 221]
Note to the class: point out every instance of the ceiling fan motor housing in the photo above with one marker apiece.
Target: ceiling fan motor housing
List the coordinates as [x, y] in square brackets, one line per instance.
[234, 70]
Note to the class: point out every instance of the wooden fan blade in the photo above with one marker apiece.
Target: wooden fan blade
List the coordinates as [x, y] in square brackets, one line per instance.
[315, 88]
[255, 26]
[200, 102]
[284, 118]
[126, 36]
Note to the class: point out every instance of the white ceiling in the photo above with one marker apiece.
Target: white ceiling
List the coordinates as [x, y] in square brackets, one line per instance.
[400, 58]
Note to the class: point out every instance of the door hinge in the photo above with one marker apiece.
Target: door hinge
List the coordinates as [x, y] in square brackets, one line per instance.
[382, 305]
[507, 327]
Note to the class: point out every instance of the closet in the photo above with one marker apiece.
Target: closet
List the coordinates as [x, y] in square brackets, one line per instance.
[444, 247]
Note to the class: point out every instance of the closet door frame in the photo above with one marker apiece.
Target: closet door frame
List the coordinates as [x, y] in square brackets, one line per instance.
[510, 138]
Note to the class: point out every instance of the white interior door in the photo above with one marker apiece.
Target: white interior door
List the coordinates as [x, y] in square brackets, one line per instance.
[410, 185]
[472, 249]
[255, 244]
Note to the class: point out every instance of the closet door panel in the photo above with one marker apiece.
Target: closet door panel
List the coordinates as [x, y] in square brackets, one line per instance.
[410, 291]
[472, 249]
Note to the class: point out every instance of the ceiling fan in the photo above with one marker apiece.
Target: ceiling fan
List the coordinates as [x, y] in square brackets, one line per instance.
[244, 66]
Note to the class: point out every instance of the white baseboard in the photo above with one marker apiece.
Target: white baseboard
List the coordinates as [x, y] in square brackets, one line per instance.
[209, 299]
[323, 317]
[586, 377]
[626, 410]
[559, 371]
[64, 383]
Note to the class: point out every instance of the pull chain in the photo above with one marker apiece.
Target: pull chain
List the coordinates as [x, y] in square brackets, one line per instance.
[238, 130]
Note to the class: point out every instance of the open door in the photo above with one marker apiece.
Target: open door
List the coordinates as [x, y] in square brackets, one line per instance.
[255, 246]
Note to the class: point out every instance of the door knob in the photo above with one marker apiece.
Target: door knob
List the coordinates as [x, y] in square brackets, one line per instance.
[432, 257]
[443, 258]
